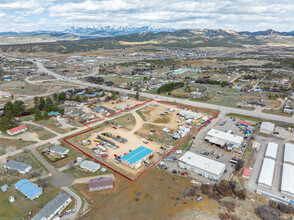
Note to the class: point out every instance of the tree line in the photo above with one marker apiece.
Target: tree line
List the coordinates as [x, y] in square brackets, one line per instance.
[170, 86]
[10, 111]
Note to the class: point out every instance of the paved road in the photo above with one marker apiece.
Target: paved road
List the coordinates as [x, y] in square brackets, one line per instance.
[169, 99]
[77, 207]
[59, 179]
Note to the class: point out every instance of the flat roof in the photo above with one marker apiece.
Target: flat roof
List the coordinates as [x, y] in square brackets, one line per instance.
[288, 178]
[203, 163]
[225, 136]
[267, 126]
[289, 153]
[271, 150]
[137, 154]
[267, 172]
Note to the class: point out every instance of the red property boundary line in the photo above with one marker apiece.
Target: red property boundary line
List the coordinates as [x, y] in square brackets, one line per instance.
[183, 141]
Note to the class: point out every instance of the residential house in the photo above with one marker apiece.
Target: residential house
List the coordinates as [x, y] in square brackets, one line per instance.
[60, 151]
[18, 166]
[17, 130]
[29, 189]
[54, 207]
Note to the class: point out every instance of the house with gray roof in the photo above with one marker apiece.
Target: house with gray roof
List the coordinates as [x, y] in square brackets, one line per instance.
[54, 207]
[61, 151]
[18, 166]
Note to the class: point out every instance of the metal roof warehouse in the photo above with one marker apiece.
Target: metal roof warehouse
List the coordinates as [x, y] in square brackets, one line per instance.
[136, 157]
[221, 138]
[267, 173]
[271, 150]
[206, 167]
[289, 153]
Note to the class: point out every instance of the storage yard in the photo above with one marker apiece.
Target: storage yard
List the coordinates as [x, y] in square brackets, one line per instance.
[129, 144]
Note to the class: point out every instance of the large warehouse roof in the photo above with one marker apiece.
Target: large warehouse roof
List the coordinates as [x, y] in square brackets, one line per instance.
[267, 172]
[271, 150]
[267, 126]
[289, 153]
[137, 154]
[203, 163]
[288, 178]
[227, 137]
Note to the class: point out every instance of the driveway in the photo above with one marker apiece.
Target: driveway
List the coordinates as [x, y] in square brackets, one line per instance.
[59, 179]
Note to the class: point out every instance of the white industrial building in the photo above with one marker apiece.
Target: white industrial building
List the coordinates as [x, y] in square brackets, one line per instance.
[289, 153]
[90, 165]
[267, 128]
[223, 138]
[202, 165]
[271, 150]
[287, 186]
[267, 172]
[190, 114]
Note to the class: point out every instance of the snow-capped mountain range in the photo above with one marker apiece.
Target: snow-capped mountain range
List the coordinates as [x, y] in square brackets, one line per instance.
[105, 31]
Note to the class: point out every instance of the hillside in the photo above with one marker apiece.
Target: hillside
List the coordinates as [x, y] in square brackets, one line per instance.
[184, 38]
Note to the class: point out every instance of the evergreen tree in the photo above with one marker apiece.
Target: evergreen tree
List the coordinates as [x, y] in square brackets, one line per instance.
[9, 115]
[8, 107]
[113, 95]
[4, 124]
[42, 103]
[46, 116]
[62, 97]
[36, 102]
[38, 115]
[56, 98]
[137, 96]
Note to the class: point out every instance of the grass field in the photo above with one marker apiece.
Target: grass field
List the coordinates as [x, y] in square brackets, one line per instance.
[51, 124]
[14, 143]
[141, 115]
[276, 112]
[127, 121]
[42, 133]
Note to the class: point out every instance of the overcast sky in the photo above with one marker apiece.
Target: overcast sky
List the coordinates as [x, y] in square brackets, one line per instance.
[252, 15]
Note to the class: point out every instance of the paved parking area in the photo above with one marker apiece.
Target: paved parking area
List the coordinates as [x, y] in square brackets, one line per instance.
[251, 184]
[199, 145]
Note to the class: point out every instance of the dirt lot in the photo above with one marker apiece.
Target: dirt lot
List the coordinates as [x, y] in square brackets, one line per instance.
[156, 188]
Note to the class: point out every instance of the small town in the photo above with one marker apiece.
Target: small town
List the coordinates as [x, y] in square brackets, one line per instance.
[146, 110]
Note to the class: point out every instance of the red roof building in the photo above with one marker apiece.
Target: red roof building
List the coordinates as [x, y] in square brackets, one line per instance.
[244, 123]
[246, 173]
[17, 130]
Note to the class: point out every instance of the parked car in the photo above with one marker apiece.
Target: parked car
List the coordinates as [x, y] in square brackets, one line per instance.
[199, 199]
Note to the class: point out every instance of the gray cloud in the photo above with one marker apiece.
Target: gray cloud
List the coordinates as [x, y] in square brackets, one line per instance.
[231, 14]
